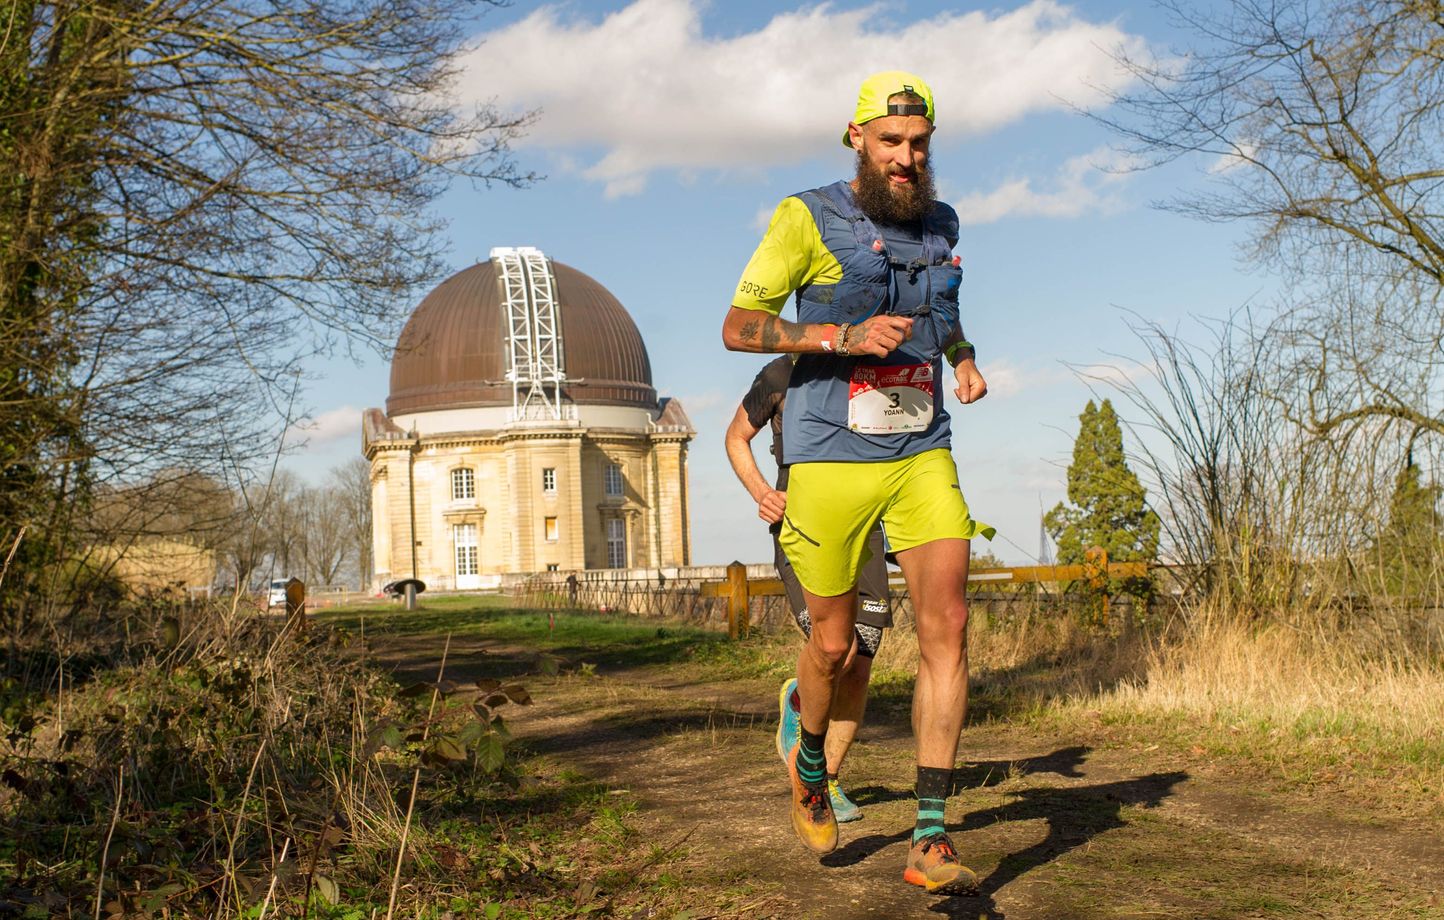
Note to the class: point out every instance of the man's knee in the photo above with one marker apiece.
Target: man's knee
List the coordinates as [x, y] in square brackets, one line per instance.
[946, 628]
[828, 650]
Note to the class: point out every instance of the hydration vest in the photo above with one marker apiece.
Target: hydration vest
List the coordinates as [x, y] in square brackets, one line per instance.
[909, 271]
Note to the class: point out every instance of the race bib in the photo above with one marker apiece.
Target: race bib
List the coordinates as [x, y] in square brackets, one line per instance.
[890, 400]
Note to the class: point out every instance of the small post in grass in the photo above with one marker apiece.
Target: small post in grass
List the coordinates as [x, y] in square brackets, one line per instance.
[737, 600]
[739, 591]
[296, 604]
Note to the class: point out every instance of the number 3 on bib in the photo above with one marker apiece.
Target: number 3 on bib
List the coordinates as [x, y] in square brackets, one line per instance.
[890, 400]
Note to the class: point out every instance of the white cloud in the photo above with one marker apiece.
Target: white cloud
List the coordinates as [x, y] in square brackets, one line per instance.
[651, 91]
[1124, 374]
[1241, 154]
[328, 427]
[1086, 184]
[1005, 378]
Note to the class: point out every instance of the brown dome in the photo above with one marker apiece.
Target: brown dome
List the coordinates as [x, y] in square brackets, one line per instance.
[451, 354]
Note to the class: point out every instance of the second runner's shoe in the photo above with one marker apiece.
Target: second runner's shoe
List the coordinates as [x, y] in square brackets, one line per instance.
[789, 718]
[933, 864]
[811, 810]
[844, 808]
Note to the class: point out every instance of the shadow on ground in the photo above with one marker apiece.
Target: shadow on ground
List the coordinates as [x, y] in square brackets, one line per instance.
[638, 729]
[417, 658]
[982, 774]
[1075, 816]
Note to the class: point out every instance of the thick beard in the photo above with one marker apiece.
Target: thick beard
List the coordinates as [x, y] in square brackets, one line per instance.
[886, 202]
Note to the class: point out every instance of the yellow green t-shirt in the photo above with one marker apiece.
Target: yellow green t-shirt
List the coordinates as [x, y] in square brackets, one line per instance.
[790, 255]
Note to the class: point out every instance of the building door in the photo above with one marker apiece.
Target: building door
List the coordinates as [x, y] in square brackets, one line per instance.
[616, 543]
[468, 567]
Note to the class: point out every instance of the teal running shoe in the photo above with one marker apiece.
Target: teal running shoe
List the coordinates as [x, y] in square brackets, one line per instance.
[789, 720]
[843, 808]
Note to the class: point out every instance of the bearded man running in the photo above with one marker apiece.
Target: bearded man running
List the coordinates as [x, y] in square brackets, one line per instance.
[868, 437]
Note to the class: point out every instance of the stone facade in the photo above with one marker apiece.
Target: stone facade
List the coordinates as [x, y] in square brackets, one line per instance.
[530, 498]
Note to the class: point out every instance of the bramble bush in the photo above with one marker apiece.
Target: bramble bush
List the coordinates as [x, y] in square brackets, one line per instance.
[180, 760]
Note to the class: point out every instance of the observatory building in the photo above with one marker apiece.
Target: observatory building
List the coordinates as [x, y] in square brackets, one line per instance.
[522, 434]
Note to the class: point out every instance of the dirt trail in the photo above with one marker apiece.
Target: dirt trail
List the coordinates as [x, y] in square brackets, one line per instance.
[1076, 827]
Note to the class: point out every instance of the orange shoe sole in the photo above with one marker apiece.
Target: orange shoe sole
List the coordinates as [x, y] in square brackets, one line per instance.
[964, 881]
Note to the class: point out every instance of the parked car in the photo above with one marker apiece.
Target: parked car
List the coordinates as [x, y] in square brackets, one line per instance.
[277, 594]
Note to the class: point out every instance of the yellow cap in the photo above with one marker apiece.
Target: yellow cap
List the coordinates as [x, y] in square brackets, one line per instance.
[876, 89]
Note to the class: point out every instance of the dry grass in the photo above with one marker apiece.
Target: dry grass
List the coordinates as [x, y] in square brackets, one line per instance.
[1354, 708]
[1220, 666]
[1030, 654]
[1325, 705]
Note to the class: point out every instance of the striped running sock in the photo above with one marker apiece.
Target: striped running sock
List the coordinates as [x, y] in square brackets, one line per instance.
[811, 761]
[933, 786]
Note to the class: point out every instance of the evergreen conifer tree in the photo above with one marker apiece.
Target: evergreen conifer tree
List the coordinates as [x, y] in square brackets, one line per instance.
[1105, 505]
[1412, 544]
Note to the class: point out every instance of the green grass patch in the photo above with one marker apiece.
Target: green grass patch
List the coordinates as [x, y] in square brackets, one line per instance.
[606, 640]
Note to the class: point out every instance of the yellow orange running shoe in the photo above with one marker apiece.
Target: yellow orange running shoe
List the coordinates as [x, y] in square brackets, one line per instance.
[812, 816]
[933, 864]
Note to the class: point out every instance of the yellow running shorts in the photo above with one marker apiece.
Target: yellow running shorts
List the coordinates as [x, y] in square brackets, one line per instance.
[832, 506]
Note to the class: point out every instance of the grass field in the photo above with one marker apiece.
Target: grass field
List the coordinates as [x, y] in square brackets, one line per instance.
[1316, 714]
[1075, 801]
[583, 764]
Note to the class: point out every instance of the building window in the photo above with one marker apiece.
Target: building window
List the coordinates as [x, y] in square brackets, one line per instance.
[463, 536]
[463, 483]
[553, 566]
[616, 543]
[551, 529]
[549, 480]
[614, 481]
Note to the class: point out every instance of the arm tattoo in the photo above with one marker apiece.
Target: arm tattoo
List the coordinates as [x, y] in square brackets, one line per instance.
[748, 332]
[770, 334]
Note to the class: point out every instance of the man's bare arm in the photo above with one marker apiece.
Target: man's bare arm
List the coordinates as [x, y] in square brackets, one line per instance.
[971, 385]
[740, 432]
[738, 440]
[760, 332]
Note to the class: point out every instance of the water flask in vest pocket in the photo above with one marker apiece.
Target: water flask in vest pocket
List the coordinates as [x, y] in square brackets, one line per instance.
[944, 282]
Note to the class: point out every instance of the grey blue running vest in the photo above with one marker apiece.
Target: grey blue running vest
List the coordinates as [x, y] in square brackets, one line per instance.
[904, 270]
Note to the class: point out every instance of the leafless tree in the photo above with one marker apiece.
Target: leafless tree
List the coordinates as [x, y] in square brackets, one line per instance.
[352, 480]
[1323, 127]
[324, 538]
[1270, 518]
[283, 523]
[199, 197]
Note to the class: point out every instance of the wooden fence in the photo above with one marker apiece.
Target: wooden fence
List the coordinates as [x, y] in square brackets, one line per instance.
[739, 597]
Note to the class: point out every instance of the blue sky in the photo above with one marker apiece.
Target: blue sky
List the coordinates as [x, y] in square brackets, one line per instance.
[671, 128]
